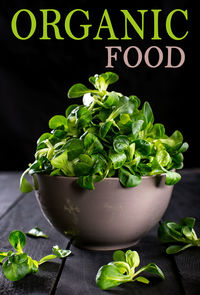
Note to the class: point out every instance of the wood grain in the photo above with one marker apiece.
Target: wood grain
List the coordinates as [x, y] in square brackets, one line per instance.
[9, 190]
[24, 216]
[76, 275]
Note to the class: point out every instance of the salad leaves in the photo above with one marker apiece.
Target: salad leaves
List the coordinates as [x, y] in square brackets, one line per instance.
[122, 270]
[109, 135]
[17, 264]
[183, 233]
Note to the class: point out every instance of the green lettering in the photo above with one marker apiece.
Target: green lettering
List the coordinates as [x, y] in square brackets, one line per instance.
[168, 24]
[156, 34]
[53, 24]
[14, 24]
[108, 26]
[85, 27]
[129, 18]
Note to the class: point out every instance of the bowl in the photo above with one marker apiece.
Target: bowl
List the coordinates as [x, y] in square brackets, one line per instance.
[108, 218]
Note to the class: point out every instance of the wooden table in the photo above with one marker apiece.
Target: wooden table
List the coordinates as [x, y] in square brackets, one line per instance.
[76, 274]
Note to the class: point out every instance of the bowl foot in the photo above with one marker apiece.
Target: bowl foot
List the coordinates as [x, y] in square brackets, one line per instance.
[103, 247]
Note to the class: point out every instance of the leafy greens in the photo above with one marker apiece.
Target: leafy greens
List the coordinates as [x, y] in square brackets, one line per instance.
[182, 233]
[122, 270]
[109, 135]
[17, 264]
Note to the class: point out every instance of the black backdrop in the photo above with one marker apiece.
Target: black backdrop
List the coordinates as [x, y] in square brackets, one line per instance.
[36, 74]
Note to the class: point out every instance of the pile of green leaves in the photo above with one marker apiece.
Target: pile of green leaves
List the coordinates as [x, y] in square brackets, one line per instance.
[182, 233]
[109, 135]
[122, 270]
[17, 264]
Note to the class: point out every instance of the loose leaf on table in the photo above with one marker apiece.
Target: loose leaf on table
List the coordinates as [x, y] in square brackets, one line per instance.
[60, 253]
[182, 233]
[18, 240]
[16, 265]
[36, 232]
[122, 270]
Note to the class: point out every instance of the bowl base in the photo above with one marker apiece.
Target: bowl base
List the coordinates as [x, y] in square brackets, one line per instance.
[104, 248]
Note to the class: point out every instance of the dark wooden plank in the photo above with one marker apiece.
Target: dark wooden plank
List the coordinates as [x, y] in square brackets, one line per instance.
[78, 276]
[9, 190]
[185, 197]
[185, 202]
[24, 216]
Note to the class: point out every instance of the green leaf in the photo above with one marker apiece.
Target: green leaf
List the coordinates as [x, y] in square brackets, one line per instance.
[111, 100]
[83, 165]
[57, 121]
[164, 233]
[109, 276]
[142, 280]
[17, 239]
[25, 186]
[16, 267]
[78, 90]
[92, 144]
[158, 131]
[143, 146]
[173, 142]
[60, 253]
[46, 258]
[127, 179]
[70, 109]
[86, 182]
[119, 255]
[3, 255]
[61, 162]
[36, 232]
[33, 265]
[43, 137]
[102, 81]
[187, 232]
[104, 128]
[184, 147]
[136, 101]
[74, 148]
[177, 248]
[84, 117]
[132, 258]
[120, 143]
[147, 111]
[136, 127]
[99, 165]
[172, 178]
[154, 269]
[125, 106]
[188, 221]
[118, 159]
[163, 158]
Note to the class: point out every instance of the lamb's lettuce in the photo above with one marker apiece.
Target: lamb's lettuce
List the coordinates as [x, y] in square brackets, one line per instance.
[122, 270]
[109, 135]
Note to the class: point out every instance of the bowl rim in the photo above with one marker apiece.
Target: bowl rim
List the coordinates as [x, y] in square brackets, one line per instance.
[106, 178]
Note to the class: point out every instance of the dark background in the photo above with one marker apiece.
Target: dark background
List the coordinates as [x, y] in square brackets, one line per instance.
[35, 75]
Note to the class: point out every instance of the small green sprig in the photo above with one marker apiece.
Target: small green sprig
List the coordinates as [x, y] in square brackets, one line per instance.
[182, 233]
[16, 265]
[122, 270]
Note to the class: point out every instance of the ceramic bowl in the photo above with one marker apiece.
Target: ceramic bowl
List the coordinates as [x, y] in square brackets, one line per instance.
[107, 218]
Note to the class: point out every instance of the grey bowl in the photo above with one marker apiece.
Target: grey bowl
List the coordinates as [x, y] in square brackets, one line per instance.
[108, 218]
